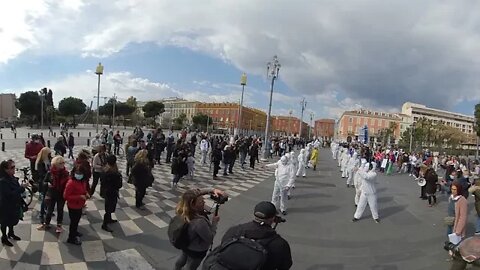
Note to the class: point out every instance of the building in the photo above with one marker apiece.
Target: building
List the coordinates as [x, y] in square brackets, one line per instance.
[174, 107]
[8, 111]
[351, 122]
[324, 128]
[457, 120]
[225, 116]
[288, 125]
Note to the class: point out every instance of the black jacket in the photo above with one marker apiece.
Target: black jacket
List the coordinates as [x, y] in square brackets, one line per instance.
[279, 256]
[10, 200]
[111, 183]
[142, 175]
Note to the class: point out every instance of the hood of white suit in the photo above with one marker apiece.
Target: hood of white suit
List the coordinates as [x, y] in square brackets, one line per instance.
[284, 160]
[354, 156]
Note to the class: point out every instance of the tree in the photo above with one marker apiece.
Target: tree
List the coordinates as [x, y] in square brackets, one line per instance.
[132, 101]
[201, 120]
[71, 106]
[477, 119]
[29, 105]
[121, 108]
[180, 121]
[153, 108]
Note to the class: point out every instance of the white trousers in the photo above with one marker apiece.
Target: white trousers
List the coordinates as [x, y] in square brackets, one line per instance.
[350, 176]
[358, 192]
[344, 171]
[371, 199]
[334, 154]
[280, 197]
[301, 170]
[204, 157]
[339, 162]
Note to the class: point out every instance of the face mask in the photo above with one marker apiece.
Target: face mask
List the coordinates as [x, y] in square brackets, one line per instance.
[452, 176]
[78, 176]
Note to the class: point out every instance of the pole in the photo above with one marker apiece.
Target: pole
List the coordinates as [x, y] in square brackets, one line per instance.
[208, 122]
[411, 137]
[113, 112]
[267, 127]
[98, 101]
[304, 104]
[240, 110]
[41, 107]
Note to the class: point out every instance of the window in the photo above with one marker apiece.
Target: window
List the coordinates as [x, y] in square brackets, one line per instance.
[350, 129]
[221, 119]
[350, 120]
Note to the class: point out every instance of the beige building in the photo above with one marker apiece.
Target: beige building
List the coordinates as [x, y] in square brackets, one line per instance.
[174, 107]
[456, 120]
[8, 111]
[351, 123]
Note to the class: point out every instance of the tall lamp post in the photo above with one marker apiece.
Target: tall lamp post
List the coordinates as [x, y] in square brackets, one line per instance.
[303, 103]
[99, 72]
[311, 124]
[273, 69]
[243, 82]
[412, 126]
[290, 122]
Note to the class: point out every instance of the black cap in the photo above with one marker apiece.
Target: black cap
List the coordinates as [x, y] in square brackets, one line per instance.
[265, 210]
[111, 159]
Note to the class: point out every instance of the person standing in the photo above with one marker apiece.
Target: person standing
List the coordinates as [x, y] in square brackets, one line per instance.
[32, 149]
[42, 166]
[10, 201]
[99, 161]
[96, 143]
[56, 186]
[132, 150]
[117, 140]
[142, 177]
[75, 195]
[314, 158]
[112, 182]
[71, 144]
[216, 158]
[170, 147]
[60, 147]
[253, 153]
[204, 145]
[109, 141]
[369, 194]
[459, 225]
[475, 190]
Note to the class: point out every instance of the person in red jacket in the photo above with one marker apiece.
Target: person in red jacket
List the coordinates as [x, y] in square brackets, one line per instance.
[58, 179]
[31, 151]
[75, 195]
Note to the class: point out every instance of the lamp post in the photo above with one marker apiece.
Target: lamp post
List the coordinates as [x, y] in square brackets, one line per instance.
[99, 72]
[303, 103]
[273, 69]
[289, 122]
[311, 123]
[412, 126]
[243, 82]
[42, 98]
[113, 109]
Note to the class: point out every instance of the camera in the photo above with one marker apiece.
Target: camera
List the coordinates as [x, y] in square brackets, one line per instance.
[449, 246]
[279, 219]
[219, 199]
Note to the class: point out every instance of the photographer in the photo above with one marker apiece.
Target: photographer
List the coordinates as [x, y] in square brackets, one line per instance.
[466, 252]
[278, 255]
[200, 229]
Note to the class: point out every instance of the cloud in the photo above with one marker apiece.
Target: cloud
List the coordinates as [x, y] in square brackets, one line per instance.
[372, 53]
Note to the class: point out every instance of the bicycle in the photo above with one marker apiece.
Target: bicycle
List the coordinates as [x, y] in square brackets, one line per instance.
[27, 194]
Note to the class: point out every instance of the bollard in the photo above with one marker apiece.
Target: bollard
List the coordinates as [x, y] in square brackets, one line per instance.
[123, 134]
[15, 135]
[26, 142]
[89, 134]
[3, 146]
[48, 143]
[88, 142]
[1, 136]
[78, 134]
[28, 135]
[55, 134]
[41, 134]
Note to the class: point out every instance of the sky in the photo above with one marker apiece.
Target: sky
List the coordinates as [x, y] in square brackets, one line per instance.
[338, 54]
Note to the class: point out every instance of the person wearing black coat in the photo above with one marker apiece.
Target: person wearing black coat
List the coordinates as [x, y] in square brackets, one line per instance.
[142, 177]
[216, 158]
[431, 179]
[253, 154]
[112, 180]
[60, 147]
[10, 201]
[179, 163]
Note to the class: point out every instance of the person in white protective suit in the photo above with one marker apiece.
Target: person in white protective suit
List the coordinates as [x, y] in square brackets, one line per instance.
[292, 160]
[345, 160]
[353, 163]
[334, 146]
[301, 164]
[340, 156]
[308, 152]
[369, 194]
[284, 179]
[357, 179]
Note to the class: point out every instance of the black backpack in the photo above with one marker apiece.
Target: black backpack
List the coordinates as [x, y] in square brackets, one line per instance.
[178, 232]
[239, 253]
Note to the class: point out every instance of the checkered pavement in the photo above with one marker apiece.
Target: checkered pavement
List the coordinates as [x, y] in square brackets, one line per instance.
[49, 248]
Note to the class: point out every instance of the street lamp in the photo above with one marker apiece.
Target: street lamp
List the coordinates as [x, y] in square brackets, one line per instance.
[289, 122]
[311, 124]
[243, 82]
[303, 103]
[99, 72]
[412, 126]
[273, 69]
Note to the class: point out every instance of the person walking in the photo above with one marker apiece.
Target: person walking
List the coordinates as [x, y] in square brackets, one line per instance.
[117, 139]
[142, 177]
[75, 195]
[58, 179]
[42, 166]
[11, 202]
[215, 159]
[284, 179]
[301, 164]
[204, 145]
[99, 161]
[253, 153]
[71, 144]
[111, 182]
[131, 151]
[369, 194]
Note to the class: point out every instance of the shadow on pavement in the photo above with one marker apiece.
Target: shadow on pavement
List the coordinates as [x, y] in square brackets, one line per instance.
[317, 209]
[312, 195]
[391, 210]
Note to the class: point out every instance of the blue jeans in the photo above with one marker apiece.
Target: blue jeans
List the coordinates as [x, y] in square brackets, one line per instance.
[477, 225]
[449, 229]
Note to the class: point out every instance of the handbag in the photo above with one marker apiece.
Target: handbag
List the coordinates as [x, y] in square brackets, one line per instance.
[449, 221]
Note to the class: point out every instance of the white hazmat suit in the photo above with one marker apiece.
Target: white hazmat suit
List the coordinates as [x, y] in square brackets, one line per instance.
[284, 180]
[357, 180]
[369, 194]
[344, 165]
[353, 163]
[301, 164]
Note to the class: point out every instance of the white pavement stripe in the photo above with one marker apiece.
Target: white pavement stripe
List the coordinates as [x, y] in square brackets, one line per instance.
[36, 235]
[129, 259]
[156, 221]
[170, 203]
[93, 251]
[26, 266]
[129, 227]
[14, 253]
[51, 254]
[91, 206]
[76, 266]
[101, 233]
[132, 214]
